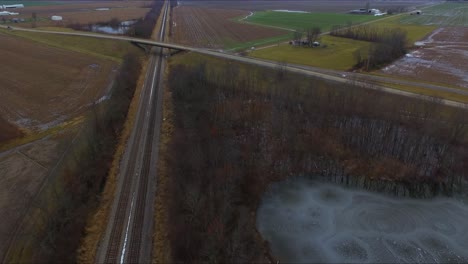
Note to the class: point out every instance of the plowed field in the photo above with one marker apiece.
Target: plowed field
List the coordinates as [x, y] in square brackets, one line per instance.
[215, 28]
[43, 85]
[84, 13]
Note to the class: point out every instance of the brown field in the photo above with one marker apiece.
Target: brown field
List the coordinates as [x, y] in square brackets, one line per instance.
[442, 58]
[22, 172]
[214, 28]
[9, 131]
[46, 85]
[311, 5]
[84, 12]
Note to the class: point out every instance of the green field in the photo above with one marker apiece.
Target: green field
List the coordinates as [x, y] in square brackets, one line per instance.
[301, 21]
[447, 14]
[337, 55]
[232, 46]
[414, 32]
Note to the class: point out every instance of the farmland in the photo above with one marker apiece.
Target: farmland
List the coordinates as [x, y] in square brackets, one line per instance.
[52, 88]
[447, 14]
[215, 28]
[312, 6]
[414, 32]
[105, 49]
[33, 3]
[86, 12]
[22, 172]
[48, 84]
[302, 21]
[337, 55]
[441, 59]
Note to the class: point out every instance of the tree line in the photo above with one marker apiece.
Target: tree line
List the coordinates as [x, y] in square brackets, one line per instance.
[388, 44]
[237, 130]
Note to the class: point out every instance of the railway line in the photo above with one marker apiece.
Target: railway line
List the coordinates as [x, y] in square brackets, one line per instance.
[128, 235]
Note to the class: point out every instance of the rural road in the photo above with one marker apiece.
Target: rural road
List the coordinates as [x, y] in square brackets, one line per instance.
[128, 237]
[315, 72]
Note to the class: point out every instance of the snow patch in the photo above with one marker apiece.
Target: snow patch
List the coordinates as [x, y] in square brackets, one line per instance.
[290, 11]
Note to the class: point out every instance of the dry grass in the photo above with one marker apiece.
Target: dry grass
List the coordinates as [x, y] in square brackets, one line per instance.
[22, 173]
[9, 131]
[47, 85]
[107, 49]
[98, 221]
[161, 243]
[161, 246]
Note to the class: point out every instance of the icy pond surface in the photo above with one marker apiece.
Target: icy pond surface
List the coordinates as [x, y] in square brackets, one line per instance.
[308, 221]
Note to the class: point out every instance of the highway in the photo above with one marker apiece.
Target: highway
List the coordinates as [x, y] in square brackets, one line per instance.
[378, 82]
[128, 237]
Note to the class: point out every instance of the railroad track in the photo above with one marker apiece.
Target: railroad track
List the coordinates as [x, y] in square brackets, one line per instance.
[130, 216]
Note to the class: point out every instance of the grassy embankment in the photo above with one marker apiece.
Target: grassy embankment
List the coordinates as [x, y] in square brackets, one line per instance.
[161, 246]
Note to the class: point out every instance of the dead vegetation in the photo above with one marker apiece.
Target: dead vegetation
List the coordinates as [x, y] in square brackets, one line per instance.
[22, 173]
[9, 131]
[238, 128]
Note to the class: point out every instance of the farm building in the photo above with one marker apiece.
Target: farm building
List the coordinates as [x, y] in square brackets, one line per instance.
[360, 11]
[374, 11]
[304, 42]
[56, 18]
[13, 6]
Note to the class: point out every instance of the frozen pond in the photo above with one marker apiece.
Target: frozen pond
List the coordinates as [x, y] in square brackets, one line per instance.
[307, 221]
[121, 29]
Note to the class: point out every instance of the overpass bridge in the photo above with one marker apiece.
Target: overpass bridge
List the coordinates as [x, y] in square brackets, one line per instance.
[103, 36]
[331, 75]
